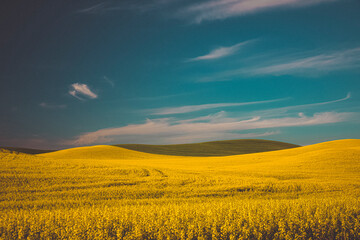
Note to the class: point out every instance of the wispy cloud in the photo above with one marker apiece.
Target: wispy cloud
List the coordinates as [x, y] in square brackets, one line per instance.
[97, 8]
[125, 5]
[221, 9]
[194, 108]
[196, 11]
[307, 106]
[319, 63]
[79, 90]
[203, 137]
[221, 52]
[52, 106]
[217, 117]
[308, 64]
[288, 110]
[110, 6]
[167, 130]
[216, 126]
[160, 97]
[109, 81]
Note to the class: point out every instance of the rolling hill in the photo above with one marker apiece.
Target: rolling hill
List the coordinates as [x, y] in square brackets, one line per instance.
[216, 148]
[340, 157]
[330, 156]
[98, 152]
[101, 192]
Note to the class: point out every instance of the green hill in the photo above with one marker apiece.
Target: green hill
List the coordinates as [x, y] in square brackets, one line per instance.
[216, 148]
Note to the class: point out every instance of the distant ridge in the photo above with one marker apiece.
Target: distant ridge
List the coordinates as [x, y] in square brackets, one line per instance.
[26, 150]
[215, 148]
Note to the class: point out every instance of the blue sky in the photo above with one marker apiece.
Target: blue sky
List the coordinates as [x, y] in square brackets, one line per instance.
[178, 71]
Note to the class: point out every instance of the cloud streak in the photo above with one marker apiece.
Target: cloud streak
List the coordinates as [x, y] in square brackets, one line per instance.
[109, 81]
[319, 63]
[348, 96]
[286, 110]
[172, 131]
[220, 52]
[221, 9]
[214, 126]
[52, 106]
[195, 108]
[80, 90]
[197, 11]
[300, 64]
[94, 9]
[115, 6]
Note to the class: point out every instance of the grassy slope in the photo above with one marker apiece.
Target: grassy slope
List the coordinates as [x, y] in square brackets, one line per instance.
[319, 158]
[216, 148]
[26, 150]
[6, 155]
[306, 192]
[98, 152]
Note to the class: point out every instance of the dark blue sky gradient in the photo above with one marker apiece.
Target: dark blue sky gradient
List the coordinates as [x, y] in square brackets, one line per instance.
[138, 57]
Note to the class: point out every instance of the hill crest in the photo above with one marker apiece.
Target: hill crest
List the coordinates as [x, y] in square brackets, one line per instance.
[213, 148]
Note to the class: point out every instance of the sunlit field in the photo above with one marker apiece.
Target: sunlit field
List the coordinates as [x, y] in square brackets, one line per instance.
[109, 192]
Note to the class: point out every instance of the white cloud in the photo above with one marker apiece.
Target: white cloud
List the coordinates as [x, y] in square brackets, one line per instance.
[83, 90]
[220, 116]
[215, 126]
[221, 52]
[165, 130]
[52, 106]
[222, 9]
[194, 108]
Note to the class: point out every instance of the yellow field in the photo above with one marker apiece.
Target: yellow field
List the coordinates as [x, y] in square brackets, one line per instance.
[107, 192]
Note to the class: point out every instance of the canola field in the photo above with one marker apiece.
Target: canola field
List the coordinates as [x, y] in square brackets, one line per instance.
[109, 192]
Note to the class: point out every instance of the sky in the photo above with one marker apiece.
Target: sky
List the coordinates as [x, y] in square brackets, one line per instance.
[80, 73]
